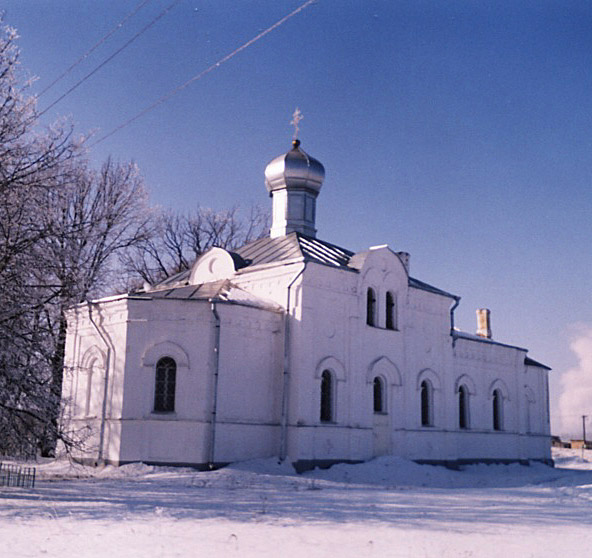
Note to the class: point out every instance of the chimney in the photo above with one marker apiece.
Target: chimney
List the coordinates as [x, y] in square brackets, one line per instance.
[404, 257]
[483, 323]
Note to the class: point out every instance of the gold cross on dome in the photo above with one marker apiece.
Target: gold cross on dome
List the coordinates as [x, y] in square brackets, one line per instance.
[296, 118]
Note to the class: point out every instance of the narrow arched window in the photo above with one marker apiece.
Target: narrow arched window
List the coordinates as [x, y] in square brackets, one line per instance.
[326, 396]
[379, 401]
[463, 407]
[497, 410]
[527, 404]
[391, 318]
[164, 387]
[371, 307]
[88, 396]
[426, 403]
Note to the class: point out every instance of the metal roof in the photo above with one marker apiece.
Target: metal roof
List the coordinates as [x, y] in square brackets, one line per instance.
[293, 246]
[430, 288]
[473, 337]
[531, 362]
[205, 291]
[223, 291]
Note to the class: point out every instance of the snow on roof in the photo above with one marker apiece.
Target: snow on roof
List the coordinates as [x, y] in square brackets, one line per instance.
[472, 337]
[222, 291]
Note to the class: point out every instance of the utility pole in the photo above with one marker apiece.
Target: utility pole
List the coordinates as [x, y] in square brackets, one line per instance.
[584, 428]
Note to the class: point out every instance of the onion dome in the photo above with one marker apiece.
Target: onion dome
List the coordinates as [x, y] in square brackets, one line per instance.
[294, 170]
[294, 181]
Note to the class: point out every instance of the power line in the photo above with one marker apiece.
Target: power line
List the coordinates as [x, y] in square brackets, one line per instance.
[95, 46]
[197, 77]
[143, 30]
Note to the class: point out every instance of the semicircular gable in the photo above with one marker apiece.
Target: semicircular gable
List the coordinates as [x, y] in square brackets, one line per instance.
[155, 352]
[382, 260]
[213, 265]
[383, 366]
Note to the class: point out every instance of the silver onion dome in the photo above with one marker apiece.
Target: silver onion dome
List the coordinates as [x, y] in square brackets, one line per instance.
[294, 170]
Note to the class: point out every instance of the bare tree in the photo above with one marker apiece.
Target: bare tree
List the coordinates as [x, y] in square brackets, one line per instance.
[65, 230]
[180, 238]
[62, 225]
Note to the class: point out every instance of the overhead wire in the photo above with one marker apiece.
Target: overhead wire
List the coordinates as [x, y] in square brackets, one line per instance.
[108, 59]
[209, 69]
[95, 46]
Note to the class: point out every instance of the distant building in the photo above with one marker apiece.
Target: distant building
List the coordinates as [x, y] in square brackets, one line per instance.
[294, 347]
[580, 444]
[557, 442]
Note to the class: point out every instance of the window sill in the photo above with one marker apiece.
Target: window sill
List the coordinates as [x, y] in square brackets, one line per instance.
[382, 328]
[162, 415]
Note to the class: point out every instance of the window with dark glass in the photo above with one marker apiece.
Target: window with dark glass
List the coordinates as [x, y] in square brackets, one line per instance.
[164, 388]
[463, 407]
[379, 406]
[497, 410]
[371, 307]
[326, 396]
[391, 320]
[426, 403]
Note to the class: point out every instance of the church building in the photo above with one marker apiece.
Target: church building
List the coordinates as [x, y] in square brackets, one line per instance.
[295, 348]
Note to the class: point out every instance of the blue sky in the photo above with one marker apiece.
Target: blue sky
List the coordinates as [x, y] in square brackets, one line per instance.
[459, 131]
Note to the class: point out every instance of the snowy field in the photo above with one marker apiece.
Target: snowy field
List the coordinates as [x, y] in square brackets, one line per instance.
[387, 507]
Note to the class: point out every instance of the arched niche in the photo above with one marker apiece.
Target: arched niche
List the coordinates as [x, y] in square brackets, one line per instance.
[467, 381]
[385, 368]
[428, 374]
[165, 349]
[332, 364]
[501, 386]
[91, 356]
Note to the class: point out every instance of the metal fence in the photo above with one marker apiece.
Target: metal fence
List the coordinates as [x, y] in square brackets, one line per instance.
[15, 475]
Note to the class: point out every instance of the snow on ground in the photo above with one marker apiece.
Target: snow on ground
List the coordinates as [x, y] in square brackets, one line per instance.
[387, 507]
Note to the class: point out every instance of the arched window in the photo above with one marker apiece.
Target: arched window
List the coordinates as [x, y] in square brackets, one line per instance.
[371, 307]
[426, 403]
[497, 410]
[391, 318]
[379, 393]
[164, 387]
[326, 396]
[463, 407]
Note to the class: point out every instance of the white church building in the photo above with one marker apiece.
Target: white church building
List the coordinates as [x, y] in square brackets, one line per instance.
[296, 348]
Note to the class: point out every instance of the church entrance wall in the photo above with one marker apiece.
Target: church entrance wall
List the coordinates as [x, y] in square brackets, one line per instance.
[381, 434]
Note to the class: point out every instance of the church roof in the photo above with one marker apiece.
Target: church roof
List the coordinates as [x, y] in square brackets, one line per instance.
[205, 291]
[430, 288]
[531, 362]
[479, 339]
[294, 246]
[299, 246]
[222, 290]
